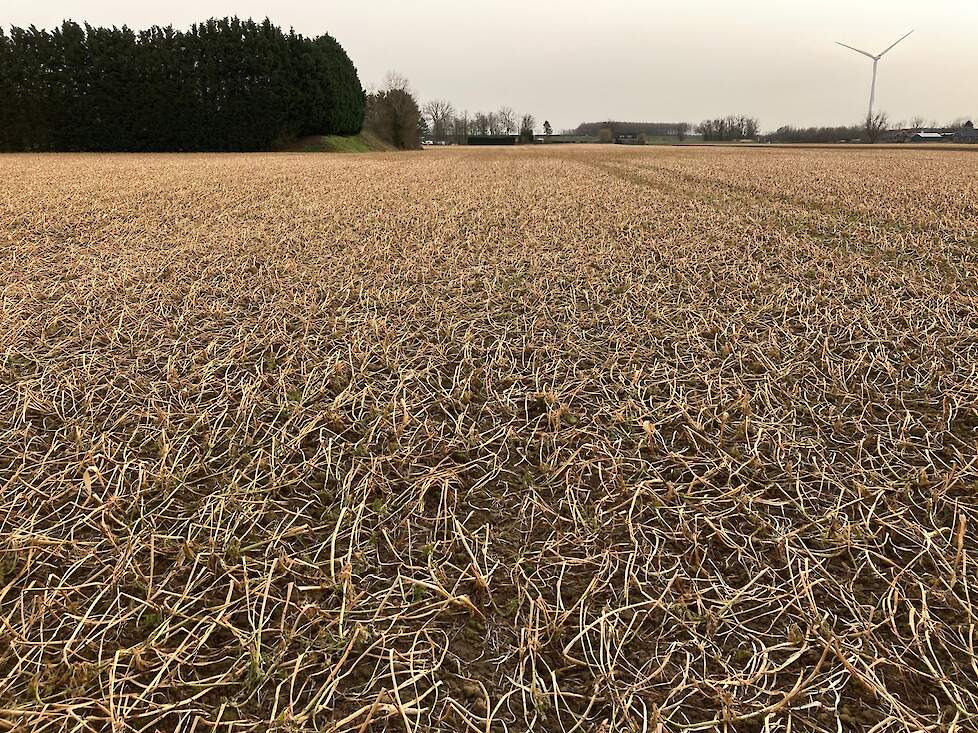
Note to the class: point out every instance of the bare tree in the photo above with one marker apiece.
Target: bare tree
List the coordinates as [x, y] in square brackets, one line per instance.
[682, 129]
[480, 124]
[493, 124]
[439, 114]
[393, 115]
[741, 127]
[395, 81]
[460, 128]
[507, 120]
[726, 129]
[875, 126]
[917, 121]
[527, 123]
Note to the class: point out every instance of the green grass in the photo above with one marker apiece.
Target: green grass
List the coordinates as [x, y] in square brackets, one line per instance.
[365, 142]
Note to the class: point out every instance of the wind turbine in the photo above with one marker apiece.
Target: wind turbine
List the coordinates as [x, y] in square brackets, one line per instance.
[876, 61]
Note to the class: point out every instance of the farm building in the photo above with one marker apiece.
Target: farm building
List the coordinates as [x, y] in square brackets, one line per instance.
[927, 137]
[493, 139]
[967, 134]
[559, 139]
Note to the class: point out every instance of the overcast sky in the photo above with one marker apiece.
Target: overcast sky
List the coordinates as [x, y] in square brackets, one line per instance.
[573, 61]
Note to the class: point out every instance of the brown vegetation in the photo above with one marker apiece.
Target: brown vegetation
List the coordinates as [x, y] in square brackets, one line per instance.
[392, 114]
[598, 439]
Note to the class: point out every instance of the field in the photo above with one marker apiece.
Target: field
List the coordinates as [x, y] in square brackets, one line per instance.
[573, 438]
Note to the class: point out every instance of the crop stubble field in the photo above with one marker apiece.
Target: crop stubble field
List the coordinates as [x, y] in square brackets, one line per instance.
[552, 439]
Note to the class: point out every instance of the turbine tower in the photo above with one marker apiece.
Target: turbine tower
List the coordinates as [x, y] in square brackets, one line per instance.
[876, 61]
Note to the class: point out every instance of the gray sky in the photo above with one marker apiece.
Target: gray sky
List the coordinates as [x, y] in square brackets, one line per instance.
[574, 61]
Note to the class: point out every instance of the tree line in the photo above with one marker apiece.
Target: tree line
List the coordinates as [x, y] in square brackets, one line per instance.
[871, 130]
[443, 124]
[720, 129]
[225, 84]
[728, 129]
[824, 134]
[678, 130]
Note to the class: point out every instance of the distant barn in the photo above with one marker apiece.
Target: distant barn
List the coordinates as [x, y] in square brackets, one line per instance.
[927, 137]
[967, 134]
[493, 139]
[559, 139]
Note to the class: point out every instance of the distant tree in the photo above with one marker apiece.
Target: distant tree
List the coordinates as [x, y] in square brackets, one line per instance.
[749, 127]
[396, 80]
[460, 128]
[527, 123]
[439, 113]
[493, 124]
[479, 124]
[838, 134]
[618, 127]
[547, 129]
[917, 122]
[507, 120]
[393, 114]
[605, 135]
[682, 129]
[875, 126]
[730, 128]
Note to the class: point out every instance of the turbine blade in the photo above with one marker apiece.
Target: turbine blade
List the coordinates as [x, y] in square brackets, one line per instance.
[857, 50]
[891, 46]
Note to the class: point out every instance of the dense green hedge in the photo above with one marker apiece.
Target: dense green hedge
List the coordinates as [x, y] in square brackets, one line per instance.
[223, 85]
